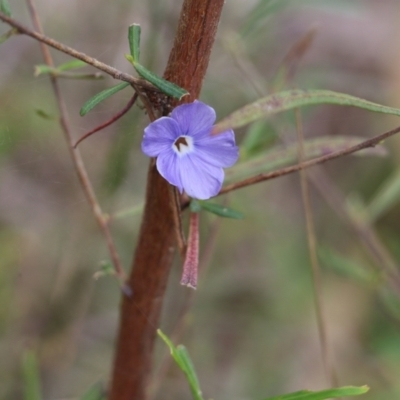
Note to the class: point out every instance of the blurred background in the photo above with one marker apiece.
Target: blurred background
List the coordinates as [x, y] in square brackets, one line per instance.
[250, 327]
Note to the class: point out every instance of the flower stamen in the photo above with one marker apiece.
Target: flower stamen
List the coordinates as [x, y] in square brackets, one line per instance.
[183, 145]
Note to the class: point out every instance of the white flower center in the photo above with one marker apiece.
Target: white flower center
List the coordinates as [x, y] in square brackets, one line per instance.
[183, 145]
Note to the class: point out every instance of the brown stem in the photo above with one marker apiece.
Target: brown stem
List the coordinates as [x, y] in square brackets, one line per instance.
[306, 164]
[115, 73]
[75, 155]
[109, 122]
[186, 67]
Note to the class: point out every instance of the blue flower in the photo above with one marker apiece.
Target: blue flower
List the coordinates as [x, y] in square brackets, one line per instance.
[188, 156]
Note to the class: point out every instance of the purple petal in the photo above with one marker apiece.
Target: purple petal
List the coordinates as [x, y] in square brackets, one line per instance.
[194, 118]
[168, 165]
[218, 150]
[200, 180]
[159, 136]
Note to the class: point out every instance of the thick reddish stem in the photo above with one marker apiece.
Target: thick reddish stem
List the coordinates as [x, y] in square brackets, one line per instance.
[186, 67]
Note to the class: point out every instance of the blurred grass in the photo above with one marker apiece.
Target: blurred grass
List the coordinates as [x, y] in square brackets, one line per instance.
[251, 331]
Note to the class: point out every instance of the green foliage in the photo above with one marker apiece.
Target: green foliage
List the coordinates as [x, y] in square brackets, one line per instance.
[217, 209]
[181, 357]
[324, 394]
[134, 41]
[5, 8]
[291, 99]
[165, 86]
[99, 97]
[31, 376]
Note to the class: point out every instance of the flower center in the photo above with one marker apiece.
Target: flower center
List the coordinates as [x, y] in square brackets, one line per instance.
[183, 145]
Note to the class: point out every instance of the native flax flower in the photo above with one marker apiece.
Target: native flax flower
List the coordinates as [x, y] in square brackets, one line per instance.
[188, 156]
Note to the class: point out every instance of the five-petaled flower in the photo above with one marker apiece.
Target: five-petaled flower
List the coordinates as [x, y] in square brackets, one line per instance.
[188, 155]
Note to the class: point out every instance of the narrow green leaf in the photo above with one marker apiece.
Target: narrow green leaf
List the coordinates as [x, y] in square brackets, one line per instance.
[43, 114]
[31, 376]
[181, 357]
[281, 156]
[73, 64]
[166, 87]
[5, 8]
[45, 69]
[99, 97]
[324, 394]
[221, 210]
[95, 392]
[190, 371]
[387, 196]
[290, 99]
[134, 41]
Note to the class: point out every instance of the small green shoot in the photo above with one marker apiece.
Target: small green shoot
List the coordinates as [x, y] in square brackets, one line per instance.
[134, 41]
[99, 97]
[324, 394]
[5, 8]
[181, 357]
[217, 209]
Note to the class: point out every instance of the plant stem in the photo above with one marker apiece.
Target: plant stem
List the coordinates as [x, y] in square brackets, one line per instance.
[75, 155]
[186, 67]
[115, 73]
[306, 164]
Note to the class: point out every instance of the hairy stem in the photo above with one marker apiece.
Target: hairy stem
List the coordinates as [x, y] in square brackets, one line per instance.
[186, 67]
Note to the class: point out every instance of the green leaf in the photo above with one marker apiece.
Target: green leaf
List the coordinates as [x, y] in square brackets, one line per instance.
[74, 64]
[324, 394]
[134, 41]
[290, 99]
[95, 392]
[221, 210]
[99, 97]
[5, 8]
[181, 357]
[165, 86]
[388, 196]
[31, 376]
[281, 156]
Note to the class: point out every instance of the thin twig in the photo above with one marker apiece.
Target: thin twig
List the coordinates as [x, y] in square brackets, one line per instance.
[75, 155]
[174, 199]
[114, 118]
[319, 160]
[115, 73]
[315, 267]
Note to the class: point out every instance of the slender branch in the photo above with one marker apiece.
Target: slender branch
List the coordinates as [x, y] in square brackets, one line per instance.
[115, 73]
[114, 118]
[75, 155]
[319, 160]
